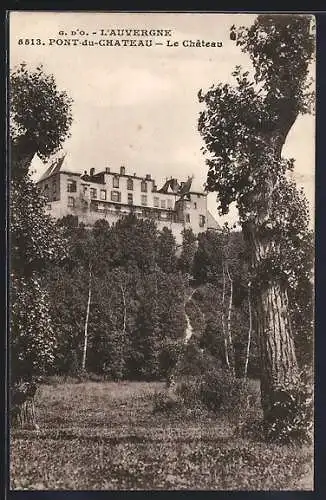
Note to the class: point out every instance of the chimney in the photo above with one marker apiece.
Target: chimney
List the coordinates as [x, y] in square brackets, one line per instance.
[134, 174]
[107, 170]
[122, 170]
[91, 172]
[148, 177]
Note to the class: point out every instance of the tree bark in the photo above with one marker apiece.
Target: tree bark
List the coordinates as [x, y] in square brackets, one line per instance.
[87, 319]
[226, 350]
[277, 351]
[229, 331]
[249, 332]
[278, 359]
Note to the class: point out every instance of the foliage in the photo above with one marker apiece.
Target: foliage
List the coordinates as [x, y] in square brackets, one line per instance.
[39, 122]
[217, 390]
[292, 412]
[244, 127]
[36, 244]
[166, 251]
[188, 250]
[240, 122]
[40, 116]
[170, 353]
[165, 402]
[32, 340]
[35, 240]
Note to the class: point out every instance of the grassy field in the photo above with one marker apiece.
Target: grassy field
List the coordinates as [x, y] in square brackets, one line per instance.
[105, 436]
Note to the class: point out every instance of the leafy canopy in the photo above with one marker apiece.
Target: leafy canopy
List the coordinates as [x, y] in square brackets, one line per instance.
[245, 126]
[40, 114]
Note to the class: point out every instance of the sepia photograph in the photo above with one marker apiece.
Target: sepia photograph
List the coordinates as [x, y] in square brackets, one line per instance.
[161, 250]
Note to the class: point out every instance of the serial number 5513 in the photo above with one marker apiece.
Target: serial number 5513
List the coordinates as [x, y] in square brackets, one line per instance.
[29, 41]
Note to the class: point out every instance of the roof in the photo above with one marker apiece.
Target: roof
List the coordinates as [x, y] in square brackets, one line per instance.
[170, 186]
[185, 187]
[53, 168]
[212, 222]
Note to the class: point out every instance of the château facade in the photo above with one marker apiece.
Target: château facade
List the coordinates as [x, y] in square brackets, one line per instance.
[109, 195]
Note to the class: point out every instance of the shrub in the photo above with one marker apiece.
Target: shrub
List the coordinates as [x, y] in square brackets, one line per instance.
[195, 360]
[166, 402]
[218, 391]
[291, 414]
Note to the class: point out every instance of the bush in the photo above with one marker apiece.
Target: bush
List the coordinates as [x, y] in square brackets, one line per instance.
[291, 414]
[218, 391]
[195, 361]
[167, 402]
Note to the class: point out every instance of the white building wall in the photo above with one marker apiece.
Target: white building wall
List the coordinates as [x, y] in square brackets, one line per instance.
[81, 203]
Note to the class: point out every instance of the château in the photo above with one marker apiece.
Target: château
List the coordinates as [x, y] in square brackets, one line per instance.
[91, 196]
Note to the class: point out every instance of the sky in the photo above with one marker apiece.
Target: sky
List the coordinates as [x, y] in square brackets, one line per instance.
[138, 106]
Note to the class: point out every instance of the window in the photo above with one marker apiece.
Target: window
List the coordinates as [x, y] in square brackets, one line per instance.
[130, 199]
[156, 202]
[115, 181]
[195, 205]
[162, 203]
[84, 189]
[71, 201]
[103, 194]
[115, 196]
[170, 204]
[187, 217]
[93, 193]
[144, 200]
[54, 187]
[71, 186]
[143, 187]
[202, 220]
[130, 184]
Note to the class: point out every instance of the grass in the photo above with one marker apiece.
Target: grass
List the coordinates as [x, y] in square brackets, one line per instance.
[104, 436]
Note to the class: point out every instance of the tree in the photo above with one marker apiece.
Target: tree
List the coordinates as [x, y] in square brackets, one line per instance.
[133, 243]
[36, 241]
[166, 251]
[39, 121]
[40, 117]
[189, 247]
[244, 128]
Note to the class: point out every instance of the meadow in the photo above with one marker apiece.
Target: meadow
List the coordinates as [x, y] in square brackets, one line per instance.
[105, 436]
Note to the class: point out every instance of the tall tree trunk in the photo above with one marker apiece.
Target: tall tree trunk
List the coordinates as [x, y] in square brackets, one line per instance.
[229, 331]
[87, 319]
[249, 332]
[124, 310]
[277, 351]
[226, 350]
